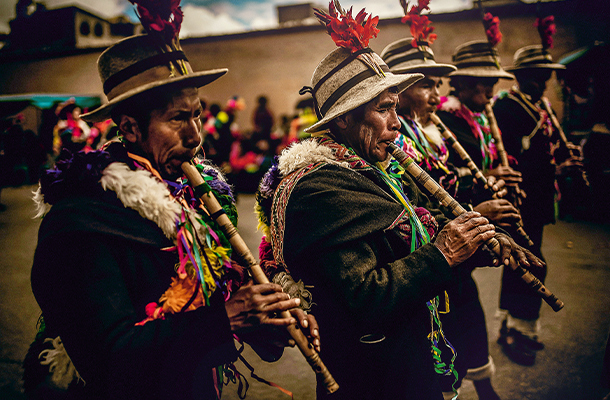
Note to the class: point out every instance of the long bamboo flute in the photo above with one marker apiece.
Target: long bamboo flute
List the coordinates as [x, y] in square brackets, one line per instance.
[445, 199]
[547, 106]
[239, 246]
[450, 138]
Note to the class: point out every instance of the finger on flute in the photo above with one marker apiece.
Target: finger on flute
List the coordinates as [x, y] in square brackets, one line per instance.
[459, 149]
[448, 201]
[217, 213]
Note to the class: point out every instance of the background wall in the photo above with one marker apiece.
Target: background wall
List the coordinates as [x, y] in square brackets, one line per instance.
[277, 63]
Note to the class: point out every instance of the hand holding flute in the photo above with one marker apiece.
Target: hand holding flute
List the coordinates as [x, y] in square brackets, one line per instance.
[493, 244]
[240, 248]
[450, 138]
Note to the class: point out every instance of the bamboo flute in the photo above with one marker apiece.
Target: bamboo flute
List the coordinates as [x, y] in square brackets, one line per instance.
[450, 138]
[456, 208]
[239, 246]
[547, 106]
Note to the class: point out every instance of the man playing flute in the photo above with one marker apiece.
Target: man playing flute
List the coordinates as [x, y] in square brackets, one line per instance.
[532, 138]
[464, 323]
[137, 287]
[345, 220]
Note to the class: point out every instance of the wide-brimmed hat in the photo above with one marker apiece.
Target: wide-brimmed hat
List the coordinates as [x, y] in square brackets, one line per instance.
[135, 65]
[402, 58]
[342, 82]
[533, 57]
[478, 59]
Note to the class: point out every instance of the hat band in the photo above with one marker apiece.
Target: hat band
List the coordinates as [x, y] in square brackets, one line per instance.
[339, 67]
[477, 64]
[344, 88]
[141, 66]
[419, 55]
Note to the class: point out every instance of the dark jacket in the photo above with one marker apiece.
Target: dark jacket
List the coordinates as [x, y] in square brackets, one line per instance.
[96, 267]
[370, 291]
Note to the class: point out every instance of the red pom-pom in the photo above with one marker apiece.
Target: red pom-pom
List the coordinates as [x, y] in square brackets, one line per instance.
[546, 29]
[492, 29]
[163, 16]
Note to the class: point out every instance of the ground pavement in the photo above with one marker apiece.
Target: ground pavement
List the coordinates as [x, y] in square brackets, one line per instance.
[578, 254]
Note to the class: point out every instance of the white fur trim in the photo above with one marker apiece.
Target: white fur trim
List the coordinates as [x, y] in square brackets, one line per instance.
[452, 104]
[306, 153]
[60, 365]
[141, 191]
[41, 207]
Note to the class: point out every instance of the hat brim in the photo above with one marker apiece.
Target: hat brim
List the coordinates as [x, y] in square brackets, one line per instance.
[433, 69]
[553, 66]
[196, 79]
[361, 94]
[483, 73]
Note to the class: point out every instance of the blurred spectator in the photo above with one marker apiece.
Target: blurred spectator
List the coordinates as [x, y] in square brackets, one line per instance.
[71, 132]
[262, 119]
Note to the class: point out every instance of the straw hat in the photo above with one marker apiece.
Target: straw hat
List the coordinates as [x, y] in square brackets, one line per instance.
[135, 65]
[342, 82]
[479, 59]
[402, 57]
[534, 56]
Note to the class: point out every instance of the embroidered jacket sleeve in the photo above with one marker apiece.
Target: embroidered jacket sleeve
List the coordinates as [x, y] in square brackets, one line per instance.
[340, 231]
[96, 267]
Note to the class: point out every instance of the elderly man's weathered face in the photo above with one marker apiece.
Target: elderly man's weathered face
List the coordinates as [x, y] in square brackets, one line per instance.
[475, 93]
[421, 98]
[173, 134]
[370, 137]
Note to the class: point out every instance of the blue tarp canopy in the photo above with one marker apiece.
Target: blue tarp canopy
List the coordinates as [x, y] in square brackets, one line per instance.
[10, 103]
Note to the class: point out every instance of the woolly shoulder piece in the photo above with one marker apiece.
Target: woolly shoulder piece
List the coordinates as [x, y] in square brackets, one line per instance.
[42, 208]
[306, 153]
[60, 365]
[140, 191]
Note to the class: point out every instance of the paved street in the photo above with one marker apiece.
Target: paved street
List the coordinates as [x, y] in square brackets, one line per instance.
[578, 255]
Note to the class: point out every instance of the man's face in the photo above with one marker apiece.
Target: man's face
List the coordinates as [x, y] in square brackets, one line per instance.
[421, 98]
[173, 134]
[533, 82]
[475, 93]
[370, 137]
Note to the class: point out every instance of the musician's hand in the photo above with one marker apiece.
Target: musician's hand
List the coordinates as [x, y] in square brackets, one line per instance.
[573, 162]
[254, 305]
[498, 186]
[309, 325]
[499, 211]
[522, 256]
[460, 238]
[509, 175]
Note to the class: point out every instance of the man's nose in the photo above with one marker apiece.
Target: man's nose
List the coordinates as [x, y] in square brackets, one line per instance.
[192, 134]
[394, 122]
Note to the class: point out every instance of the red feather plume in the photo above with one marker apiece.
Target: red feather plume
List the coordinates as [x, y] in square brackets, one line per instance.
[492, 29]
[161, 16]
[346, 31]
[419, 24]
[546, 29]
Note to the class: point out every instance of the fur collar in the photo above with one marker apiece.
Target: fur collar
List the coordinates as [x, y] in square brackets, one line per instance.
[316, 150]
[138, 190]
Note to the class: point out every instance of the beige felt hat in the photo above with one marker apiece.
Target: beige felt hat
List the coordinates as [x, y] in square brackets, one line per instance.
[478, 59]
[402, 58]
[135, 65]
[342, 82]
[533, 57]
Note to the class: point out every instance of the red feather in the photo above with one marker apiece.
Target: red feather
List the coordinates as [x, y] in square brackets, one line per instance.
[162, 16]
[492, 29]
[346, 31]
[419, 24]
[546, 29]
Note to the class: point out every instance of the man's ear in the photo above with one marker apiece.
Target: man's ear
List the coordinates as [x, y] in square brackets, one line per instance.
[129, 129]
[343, 121]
